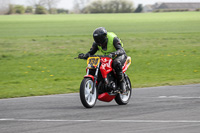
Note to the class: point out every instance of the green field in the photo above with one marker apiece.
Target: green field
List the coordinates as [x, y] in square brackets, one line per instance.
[37, 51]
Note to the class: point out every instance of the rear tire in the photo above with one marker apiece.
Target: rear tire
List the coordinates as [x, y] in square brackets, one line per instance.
[87, 98]
[122, 99]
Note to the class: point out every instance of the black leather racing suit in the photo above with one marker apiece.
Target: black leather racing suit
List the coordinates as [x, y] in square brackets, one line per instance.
[120, 59]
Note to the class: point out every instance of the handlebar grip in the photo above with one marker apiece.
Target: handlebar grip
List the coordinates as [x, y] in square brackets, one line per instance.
[99, 56]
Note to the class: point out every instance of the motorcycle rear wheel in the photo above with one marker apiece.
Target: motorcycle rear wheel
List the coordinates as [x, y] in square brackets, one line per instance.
[123, 99]
[87, 98]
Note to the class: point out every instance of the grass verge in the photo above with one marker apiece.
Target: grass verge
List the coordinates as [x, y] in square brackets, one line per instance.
[37, 52]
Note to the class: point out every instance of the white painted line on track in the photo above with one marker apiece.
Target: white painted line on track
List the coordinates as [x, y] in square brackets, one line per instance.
[103, 121]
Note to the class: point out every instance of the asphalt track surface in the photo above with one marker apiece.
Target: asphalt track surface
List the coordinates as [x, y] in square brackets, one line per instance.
[167, 109]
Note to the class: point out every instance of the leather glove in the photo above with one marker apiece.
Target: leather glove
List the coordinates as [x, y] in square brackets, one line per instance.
[83, 56]
[112, 55]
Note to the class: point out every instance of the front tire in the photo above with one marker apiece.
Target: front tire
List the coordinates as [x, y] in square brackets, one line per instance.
[87, 98]
[123, 99]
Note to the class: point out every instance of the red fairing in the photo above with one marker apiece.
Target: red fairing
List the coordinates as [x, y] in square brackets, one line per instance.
[105, 97]
[89, 76]
[106, 66]
[125, 67]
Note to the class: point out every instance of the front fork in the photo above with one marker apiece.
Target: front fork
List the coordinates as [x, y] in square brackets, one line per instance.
[94, 78]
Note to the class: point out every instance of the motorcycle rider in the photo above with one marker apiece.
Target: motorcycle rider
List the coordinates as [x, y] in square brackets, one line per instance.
[109, 44]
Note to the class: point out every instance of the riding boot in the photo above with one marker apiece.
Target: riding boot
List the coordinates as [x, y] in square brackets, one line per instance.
[117, 65]
[123, 87]
[120, 79]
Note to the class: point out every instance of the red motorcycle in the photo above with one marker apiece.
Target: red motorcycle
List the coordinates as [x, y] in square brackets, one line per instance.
[102, 85]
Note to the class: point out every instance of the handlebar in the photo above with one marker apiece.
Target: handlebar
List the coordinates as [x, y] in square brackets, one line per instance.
[99, 56]
[93, 56]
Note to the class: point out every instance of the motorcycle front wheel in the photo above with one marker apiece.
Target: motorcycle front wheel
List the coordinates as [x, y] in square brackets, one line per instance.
[88, 98]
[123, 99]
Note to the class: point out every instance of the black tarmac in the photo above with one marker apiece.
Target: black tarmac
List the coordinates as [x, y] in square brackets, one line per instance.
[166, 109]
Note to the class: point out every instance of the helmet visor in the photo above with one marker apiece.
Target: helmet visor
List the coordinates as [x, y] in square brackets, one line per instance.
[99, 39]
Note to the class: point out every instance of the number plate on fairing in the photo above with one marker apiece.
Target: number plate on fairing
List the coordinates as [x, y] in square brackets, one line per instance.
[93, 62]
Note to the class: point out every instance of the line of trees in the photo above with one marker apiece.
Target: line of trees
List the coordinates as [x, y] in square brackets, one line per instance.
[80, 6]
[37, 7]
[20, 9]
[48, 5]
[103, 6]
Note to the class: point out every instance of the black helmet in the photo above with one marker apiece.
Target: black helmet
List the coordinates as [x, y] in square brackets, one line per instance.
[100, 35]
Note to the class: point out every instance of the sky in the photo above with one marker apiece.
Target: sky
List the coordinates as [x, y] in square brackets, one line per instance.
[68, 4]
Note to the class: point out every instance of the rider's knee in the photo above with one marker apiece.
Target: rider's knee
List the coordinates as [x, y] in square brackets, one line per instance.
[117, 65]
